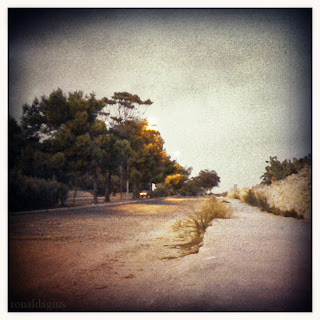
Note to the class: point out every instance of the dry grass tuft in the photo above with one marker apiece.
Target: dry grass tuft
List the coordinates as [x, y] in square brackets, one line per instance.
[190, 230]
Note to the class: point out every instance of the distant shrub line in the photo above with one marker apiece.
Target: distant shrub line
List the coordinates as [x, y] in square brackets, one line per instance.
[274, 172]
[262, 203]
[280, 170]
[254, 199]
[27, 193]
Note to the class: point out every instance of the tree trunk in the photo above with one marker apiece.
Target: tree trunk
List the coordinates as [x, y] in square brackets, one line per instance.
[135, 194]
[127, 184]
[95, 190]
[107, 191]
[127, 189]
[120, 189]
[74, 195]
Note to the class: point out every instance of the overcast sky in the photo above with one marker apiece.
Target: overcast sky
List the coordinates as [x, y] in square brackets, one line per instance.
[230, 87]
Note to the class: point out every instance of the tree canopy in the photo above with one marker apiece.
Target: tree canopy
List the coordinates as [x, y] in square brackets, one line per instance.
[207, 179]
[125, 106]
[72, 138]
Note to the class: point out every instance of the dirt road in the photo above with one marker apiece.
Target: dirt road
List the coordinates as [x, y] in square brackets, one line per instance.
[120, 259]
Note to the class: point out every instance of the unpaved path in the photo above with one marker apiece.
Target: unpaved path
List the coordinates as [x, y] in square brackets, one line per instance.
[114, 261]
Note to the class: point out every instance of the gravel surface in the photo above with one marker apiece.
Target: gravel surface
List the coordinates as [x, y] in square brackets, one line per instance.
[121, 259]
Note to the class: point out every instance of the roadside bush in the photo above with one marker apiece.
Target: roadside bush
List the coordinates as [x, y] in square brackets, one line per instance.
[280, 170]
[251, 199]
[190, 189]
[257, 201]
[26, 193]
[191, 229]
[285, 189]
[62, 193]
[160, 191]
[261, 202]
[292, 214]
[215, 209]
[86, 182]
[233, 193]
[243, 193]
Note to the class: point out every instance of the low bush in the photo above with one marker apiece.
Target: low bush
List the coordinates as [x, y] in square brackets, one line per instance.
[26, 193]
[257, 201]
[232, 194]
[163, 191]
[215, 209]
[190, 189]
[261, 202]
[191, 229]
[240, 194]
[160, 191]
[292, 214]
[251, 199]
[243, 193]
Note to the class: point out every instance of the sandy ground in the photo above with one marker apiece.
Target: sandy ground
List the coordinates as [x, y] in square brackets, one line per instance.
[120, 259]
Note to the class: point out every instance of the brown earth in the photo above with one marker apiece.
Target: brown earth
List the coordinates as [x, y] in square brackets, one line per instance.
[119, 258]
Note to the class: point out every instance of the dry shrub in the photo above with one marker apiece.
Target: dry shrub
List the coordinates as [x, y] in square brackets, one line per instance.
[255, 199]
[233, 193]
[215, 209]
[243, 193]
[191, 229]
[240, 194]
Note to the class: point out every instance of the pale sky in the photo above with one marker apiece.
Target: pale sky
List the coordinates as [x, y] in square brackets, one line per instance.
[230, 87]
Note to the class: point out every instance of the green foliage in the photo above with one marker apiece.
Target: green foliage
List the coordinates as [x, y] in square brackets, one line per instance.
[16, 143]
[62, 190]
[174, 181]
[143, 159]
[61, 128]
[26, 193]
[56, 110]
[279, 170]
[108, 151]
[71, 136]
[178, 182]
[66, 138]
[50, 113]
[161, 191]
[190, 188]
[32, 120]
[207, 179]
